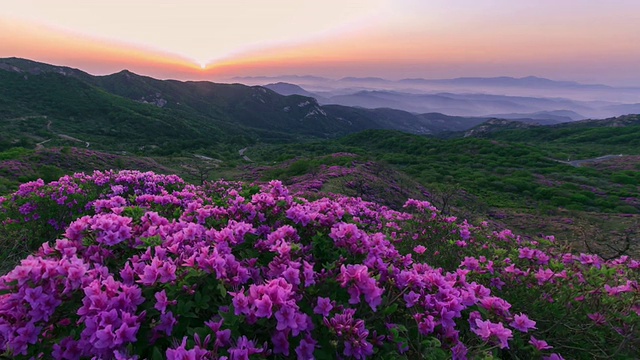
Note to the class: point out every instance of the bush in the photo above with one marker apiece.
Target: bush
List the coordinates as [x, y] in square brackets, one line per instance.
[153, 268]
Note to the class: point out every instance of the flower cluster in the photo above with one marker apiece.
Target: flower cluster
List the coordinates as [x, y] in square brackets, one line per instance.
[146, 266]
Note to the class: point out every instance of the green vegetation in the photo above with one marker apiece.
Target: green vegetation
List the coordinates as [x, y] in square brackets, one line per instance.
[584, 139]
[499, 174]
[58, 122]
[517, 184]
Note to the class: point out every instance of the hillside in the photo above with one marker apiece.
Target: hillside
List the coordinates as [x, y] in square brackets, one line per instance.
[38, 107]
[503, 170]
[523, 185]
[141, 111]
[586, 138]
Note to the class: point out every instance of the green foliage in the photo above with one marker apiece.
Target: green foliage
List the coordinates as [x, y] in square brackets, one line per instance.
[14, 153]
[304, 166]
[502, 174]
[50, 173]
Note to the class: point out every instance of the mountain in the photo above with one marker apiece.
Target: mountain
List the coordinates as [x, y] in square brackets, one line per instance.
[393, 119]
[351, 79]
[598, 137]
[29, 67]
[544, 117]
[51, 105]
[261, 80]
[126, 111]
[624, 108]
[530, 86]
[484, 105]
[287, 89]
[501, 81]
[129, 112]
[494, 125]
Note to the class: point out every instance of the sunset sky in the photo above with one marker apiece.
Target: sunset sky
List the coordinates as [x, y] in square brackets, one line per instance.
[583, 40]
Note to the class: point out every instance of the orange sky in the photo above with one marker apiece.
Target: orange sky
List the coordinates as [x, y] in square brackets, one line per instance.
[589, 41]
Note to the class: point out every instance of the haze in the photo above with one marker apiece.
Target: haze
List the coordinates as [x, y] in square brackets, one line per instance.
[586, 41]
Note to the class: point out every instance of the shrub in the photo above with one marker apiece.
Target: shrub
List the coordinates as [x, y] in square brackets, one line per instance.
[153, 268]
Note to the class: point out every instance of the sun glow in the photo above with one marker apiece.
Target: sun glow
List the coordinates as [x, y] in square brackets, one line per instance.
[217, 40]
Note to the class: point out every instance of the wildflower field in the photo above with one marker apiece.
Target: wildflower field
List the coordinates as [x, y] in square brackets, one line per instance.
[131, 265]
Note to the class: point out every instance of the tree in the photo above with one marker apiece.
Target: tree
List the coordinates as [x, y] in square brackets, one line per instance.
[443, 196]
[200, 169]
[611, 245]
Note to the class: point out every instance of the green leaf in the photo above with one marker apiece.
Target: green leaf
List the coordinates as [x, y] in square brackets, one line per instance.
[157, 355]
[431, 343]
[222, 289]
[390, 309]
[322, 354]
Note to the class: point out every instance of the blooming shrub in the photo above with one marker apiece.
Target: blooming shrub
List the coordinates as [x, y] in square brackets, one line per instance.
[144, 266]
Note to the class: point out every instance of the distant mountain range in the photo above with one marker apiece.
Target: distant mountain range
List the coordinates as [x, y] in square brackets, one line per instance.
[529, 81]
[128, 111]
[546, 108]
[287, 89]
[499, 81]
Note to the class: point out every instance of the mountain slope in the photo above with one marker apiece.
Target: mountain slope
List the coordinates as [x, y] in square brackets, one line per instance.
[129, 108]
[287, 89]
[461, 104]
[77, 109]
[593, 137]
[233, 104]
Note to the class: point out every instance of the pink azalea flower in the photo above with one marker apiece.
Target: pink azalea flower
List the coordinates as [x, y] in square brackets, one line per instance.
[323, 307]
[539, 344]
[523, 323]
[419, 249]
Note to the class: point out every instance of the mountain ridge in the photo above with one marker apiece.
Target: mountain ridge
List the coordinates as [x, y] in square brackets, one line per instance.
[121, 103]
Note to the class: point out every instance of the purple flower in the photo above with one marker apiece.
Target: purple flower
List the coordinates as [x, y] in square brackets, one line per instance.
[323, 306]
[598, 318]
[161, 301]
[286, 317]
[180, 352]
[523, 323]
[411, 298]
[263, 306]
[167, 322]
[243, 349]
[487, 330]
[280, 343]
[419, 249]
[539, 344]
[240, 303]
[553, 356]
[306, 348]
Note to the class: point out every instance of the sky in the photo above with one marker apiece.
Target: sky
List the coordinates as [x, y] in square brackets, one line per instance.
[591, 41]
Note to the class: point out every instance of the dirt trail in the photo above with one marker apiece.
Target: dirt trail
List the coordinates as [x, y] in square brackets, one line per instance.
[245, 157]
[579, 163]
[67, 137]
[40, 145]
